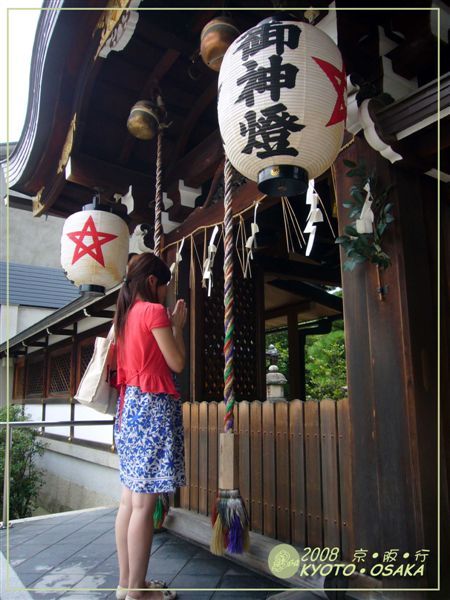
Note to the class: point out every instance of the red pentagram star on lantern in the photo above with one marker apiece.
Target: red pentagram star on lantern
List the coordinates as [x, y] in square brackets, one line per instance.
[339, 82]
[95, 248]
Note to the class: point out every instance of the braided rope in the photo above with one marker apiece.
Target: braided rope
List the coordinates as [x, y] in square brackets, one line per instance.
[158, 196]
[228, 348]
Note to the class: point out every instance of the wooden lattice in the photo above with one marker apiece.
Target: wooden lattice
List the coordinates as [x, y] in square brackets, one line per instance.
[35, 377]
[245, 338]
[60, 372]
[245, 363]
[86, 352]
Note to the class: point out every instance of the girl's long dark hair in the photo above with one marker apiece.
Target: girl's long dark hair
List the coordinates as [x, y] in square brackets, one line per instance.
[140, 267]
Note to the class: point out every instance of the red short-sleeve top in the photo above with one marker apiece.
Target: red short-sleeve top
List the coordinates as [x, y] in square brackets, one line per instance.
[140, 362]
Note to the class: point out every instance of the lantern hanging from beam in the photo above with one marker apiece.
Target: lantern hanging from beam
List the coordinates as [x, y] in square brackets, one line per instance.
[94, 247]
[282, 104]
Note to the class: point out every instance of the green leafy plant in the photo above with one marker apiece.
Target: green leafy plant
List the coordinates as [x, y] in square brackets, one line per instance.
[25, 478]
[325, 366]
[361, 247]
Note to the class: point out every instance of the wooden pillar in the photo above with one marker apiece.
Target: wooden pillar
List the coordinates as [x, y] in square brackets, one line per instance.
[391, 359]
[302, 365]
[294, 355]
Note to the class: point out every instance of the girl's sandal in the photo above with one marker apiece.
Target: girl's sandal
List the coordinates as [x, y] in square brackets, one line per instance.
[156, 583]
[166, 595]
[121, 593]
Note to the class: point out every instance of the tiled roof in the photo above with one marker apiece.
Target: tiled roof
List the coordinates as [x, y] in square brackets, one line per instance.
[36, 286]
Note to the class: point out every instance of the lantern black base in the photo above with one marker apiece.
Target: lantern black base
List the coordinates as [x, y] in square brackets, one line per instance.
[283, 180]
[92, 289]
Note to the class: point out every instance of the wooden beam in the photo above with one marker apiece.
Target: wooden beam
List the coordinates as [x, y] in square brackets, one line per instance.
[243, 198]
[294, 268]
[31, 344]
[103, 314]
[417, 106]
[199, 164]
[311, 292]
[282, 311]
[163, 38]
[62, 330]
[209, 94]
[49, 196]
[215, 183]
[415, 55]
[92, 172]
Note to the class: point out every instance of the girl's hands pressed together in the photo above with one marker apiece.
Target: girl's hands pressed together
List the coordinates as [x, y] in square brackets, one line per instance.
[178, 315]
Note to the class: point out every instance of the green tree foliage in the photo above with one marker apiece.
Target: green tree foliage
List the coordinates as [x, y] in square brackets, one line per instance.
[325, 367]
[326, 373]
[25, 478]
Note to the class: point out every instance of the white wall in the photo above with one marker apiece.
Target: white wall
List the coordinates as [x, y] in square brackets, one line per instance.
[9, 317]
[78, 477]
[20, 318]
[29, 315]
[32, 240]
[6, 385]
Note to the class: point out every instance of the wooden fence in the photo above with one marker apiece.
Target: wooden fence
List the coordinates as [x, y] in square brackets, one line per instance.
[294, 468]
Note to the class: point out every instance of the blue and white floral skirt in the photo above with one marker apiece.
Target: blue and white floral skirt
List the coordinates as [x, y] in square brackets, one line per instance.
[150, 442]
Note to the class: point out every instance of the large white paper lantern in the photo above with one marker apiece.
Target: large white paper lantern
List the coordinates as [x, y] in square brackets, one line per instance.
[282, 104]
[94, 248]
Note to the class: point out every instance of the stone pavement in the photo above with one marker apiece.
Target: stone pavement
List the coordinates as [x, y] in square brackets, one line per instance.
[76, 550]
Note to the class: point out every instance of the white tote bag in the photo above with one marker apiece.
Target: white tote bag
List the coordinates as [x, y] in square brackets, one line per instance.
[95, 389]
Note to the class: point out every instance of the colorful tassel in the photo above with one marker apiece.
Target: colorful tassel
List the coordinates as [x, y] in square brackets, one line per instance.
[217, 545]
[214, 513]
[161, 510]
[230, 524]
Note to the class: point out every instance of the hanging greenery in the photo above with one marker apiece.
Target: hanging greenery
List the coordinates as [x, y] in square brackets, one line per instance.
[372, 214]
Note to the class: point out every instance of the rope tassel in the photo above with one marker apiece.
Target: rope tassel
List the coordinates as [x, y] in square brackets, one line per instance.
[230, 524]
[229, 515]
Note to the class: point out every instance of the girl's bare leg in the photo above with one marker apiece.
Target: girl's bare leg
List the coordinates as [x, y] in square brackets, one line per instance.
[122, 521]
[140, 537]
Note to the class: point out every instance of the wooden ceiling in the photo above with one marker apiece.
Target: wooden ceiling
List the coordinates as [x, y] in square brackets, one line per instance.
[163, 51]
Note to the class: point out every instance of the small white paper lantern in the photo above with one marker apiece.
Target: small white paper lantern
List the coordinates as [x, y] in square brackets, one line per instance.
[94, 248]
[282, 104]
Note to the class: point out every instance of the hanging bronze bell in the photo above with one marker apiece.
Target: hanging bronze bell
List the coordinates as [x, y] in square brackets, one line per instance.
[215, 39]
[143, 121]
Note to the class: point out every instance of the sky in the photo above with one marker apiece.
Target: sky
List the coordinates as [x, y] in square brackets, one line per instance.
[22, 29]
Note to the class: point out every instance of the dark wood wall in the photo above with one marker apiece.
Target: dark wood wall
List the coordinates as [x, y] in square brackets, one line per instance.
[392, 383]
